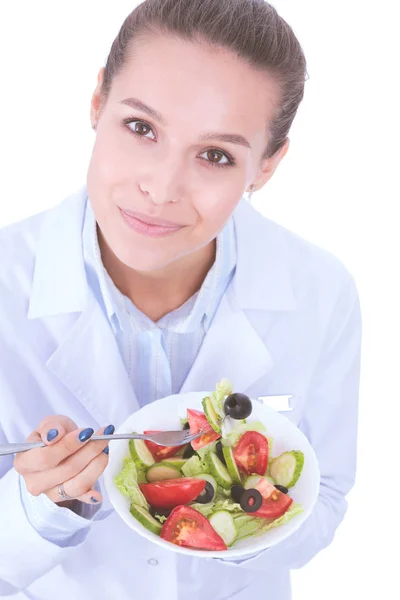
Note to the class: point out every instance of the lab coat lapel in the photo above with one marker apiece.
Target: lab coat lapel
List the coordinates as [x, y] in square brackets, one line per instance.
[231, 349]
[89, 364]
[236, 344]
[87, 360]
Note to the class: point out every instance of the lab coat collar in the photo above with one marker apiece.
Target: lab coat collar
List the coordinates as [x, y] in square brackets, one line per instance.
[262, 280]
[263, 277]
[59, 282]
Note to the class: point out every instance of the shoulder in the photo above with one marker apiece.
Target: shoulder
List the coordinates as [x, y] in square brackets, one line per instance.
[18, 248]
[18, 243]
[311, 263]
[312, 276]
[308, 262]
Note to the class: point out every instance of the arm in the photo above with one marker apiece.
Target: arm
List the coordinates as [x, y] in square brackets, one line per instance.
[36, 532]
[330, 423]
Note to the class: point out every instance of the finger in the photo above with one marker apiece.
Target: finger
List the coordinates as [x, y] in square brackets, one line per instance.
[44, 459]
[53, 428]
[82, 486]
[39, 482]
[50, 431]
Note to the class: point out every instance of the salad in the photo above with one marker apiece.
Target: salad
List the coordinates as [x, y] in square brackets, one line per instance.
[222, 487]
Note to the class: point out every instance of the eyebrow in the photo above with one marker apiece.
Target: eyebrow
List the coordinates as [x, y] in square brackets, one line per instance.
[231, 138]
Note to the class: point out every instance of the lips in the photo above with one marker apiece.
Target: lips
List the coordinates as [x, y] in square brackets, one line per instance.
[151, 220]
[152, 229]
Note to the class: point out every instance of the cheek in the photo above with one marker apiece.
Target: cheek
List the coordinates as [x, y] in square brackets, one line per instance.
[113, 156]
[215, 209]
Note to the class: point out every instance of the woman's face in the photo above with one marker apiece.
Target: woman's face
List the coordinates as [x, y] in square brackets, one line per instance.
[180, 139]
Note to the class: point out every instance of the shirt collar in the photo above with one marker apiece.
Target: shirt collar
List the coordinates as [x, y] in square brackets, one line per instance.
[199, 308]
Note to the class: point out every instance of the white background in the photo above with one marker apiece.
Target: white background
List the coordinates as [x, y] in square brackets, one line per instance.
[337, 187]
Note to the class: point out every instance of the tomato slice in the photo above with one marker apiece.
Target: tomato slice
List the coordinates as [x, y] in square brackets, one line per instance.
[275, 503]
[198, 422]
[172, 492]
[251, 453]
[187, 527]
[160, 452]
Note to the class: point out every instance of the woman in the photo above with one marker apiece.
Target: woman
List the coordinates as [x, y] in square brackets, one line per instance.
[158, 277]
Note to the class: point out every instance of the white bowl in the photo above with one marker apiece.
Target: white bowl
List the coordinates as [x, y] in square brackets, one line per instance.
[165, 414]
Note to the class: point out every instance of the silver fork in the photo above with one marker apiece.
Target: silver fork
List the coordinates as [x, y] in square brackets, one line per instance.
[163, 438]
[281, 403]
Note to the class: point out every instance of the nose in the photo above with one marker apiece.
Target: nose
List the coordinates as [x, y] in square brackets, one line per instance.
[166, 182]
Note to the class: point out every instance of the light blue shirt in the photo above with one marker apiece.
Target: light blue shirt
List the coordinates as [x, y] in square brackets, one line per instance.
[157, 356]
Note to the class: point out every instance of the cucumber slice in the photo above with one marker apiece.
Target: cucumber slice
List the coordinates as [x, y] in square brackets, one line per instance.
[159, 472]
[145, 518]
[140, 453]
[223, 523]
[251, 482]
[219, 471]
[212, 417]
[287, 468]
[174, 462]
[231, 464]
[210, 479]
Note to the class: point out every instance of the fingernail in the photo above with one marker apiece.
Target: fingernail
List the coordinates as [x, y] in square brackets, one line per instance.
[109, 430]
[106, 450]
[52, 434]
[94, 500]
[86, 434]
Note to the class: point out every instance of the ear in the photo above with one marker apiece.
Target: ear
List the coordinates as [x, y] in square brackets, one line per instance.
[270, 165]
[96, 103]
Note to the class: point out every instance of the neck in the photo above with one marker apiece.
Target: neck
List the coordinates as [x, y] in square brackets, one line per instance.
[157, 293]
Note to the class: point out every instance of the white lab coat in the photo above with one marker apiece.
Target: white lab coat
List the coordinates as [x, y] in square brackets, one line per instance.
[288, 324]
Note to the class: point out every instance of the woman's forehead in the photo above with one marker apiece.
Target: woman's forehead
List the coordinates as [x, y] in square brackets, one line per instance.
[168, 74]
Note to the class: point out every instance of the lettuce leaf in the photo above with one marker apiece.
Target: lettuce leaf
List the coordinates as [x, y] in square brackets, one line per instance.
[193, 466]
[247, 525]
[205, 509]
[127, 483]
[222, 390]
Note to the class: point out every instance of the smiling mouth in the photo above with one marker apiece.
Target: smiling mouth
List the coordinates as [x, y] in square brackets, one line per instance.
[152, 220]
[150, 226]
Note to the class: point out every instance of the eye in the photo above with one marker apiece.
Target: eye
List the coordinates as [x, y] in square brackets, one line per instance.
[214, 156]
[140, 128]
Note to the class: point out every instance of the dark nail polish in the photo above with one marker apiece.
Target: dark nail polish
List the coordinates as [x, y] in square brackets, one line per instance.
[109, 430]
[106, 450]
[94, 500]
[52, 434]
[86, 434]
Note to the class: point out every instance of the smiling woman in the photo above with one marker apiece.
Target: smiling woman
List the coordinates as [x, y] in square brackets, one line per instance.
[156, 278]
[214, 85]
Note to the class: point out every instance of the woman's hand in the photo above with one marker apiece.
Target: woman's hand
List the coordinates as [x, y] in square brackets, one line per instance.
[68, 458]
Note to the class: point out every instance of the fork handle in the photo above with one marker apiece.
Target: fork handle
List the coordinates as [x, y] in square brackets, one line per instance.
[6, 449]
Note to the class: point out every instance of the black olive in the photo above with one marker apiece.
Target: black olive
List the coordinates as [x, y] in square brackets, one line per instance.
[188, 451]
[251, 500]
[220, 454]
[238, 406]
[207, 495]
[282, 489]
[186, 425]
[161, 512]
[236, 492]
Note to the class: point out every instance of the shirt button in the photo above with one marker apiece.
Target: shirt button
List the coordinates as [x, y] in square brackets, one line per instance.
[153, 562]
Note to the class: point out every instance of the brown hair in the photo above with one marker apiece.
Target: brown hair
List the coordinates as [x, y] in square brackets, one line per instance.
[252, 29]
